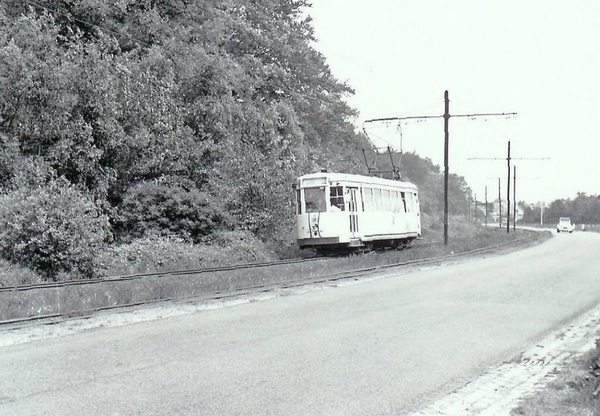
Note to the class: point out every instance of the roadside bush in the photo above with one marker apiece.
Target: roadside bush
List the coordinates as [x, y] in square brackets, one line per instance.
[168, 253]
[54, 229]
[460, 226]
[148, 254]
[155, 209]
[13, 274]
[283, 243]
[240, 247]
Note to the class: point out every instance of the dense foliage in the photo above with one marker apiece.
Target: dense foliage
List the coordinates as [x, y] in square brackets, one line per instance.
[154, 209]
[139, 119]
[54, 229]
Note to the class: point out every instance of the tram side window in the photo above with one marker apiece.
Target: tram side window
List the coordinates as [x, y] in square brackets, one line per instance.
[336, 198]
[386, 200]
[368, 199]
[403, 196]
[314, 200]
[409, 202]
[362, 200]
[298, 202]
[395, 202]
[378, 200]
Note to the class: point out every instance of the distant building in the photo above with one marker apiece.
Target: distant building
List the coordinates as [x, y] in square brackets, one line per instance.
[500, 207]
[520, 213]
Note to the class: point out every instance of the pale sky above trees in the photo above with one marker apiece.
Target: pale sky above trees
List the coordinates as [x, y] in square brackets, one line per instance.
[537, 58]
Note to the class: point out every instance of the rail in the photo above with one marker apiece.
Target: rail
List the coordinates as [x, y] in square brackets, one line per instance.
[123, 278]
[207, 289]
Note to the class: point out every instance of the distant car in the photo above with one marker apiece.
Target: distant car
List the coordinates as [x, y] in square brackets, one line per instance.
[564, 224]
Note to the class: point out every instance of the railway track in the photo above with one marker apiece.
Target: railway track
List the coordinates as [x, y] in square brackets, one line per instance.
[122, 278]
[229, 292]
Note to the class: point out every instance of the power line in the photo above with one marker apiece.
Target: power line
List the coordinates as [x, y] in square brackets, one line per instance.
[475, 115]
[374, 120]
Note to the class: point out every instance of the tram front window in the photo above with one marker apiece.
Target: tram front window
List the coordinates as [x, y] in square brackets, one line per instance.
[336, 198]
[314, 200]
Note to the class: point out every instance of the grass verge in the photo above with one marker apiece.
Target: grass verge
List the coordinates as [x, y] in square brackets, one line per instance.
[574, 391]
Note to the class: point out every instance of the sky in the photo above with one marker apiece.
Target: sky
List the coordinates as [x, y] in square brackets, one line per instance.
[537, 58]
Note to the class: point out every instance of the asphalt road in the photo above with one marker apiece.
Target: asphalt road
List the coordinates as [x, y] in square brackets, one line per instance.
[387, 346]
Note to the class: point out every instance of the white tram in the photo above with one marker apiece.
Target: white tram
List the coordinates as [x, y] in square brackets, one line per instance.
[337, 211]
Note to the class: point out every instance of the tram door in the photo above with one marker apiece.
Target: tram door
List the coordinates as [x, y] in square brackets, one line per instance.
[353, 211]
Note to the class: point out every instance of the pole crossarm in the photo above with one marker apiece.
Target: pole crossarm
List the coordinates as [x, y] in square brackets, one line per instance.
[373, 120]
[484, 115]
[512, 158]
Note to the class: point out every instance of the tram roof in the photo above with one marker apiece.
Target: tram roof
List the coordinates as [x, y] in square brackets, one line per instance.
[342, 178]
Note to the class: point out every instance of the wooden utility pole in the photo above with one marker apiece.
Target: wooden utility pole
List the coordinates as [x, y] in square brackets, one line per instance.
[468, 209]
[508, 192]
[499, 205]
[446, 168]
[486, 206]
[446, 151]
[514, 197]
